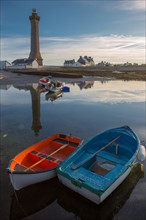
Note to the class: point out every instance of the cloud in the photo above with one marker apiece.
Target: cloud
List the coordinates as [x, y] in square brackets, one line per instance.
[54, 50]
[112, 92]
[132, 5]
[116, 4]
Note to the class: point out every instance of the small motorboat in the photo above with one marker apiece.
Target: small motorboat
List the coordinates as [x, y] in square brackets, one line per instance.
[101, 163]
[38, 162]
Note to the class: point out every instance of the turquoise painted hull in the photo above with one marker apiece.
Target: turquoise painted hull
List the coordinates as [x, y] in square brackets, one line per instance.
[101, 163]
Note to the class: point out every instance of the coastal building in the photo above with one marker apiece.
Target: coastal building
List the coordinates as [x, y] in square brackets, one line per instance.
[35, 47]
[4, 64]
[86, 61]
[81, 62]
[24, 64]
[103, 64]
[69, 62]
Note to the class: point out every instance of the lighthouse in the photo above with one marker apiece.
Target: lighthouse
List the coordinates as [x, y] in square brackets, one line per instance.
[35, 47]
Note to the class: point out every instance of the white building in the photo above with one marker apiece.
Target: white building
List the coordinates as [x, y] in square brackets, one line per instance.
[86, 61]
[4, 64]
[81, 62]
[24, 64]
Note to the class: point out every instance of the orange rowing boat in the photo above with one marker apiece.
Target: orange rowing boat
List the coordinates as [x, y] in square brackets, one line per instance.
[38, 162]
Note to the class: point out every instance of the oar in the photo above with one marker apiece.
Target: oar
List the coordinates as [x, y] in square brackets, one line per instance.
[74, 167]
[63, 146]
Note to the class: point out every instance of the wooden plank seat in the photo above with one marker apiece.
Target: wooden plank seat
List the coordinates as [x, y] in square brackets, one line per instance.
[42, 155]
[113, 157]
[33, 158]
[70, 143]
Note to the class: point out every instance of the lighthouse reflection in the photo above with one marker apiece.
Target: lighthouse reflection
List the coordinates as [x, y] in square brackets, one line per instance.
[35, 98]
[36, 91]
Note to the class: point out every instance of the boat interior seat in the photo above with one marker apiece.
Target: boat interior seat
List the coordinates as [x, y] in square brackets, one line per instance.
[117, 158]
[42, 155]
[82, 176]
[34, 152]
[51, 158]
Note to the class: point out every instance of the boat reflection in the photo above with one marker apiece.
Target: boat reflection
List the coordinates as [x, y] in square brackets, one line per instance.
[85, 209]
[32, 199]
[53, 96]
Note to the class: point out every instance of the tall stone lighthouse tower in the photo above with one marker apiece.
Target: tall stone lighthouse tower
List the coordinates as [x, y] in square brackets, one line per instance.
[35, 47]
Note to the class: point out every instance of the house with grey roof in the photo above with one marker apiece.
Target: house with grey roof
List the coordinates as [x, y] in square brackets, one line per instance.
[24, 64]
[81, 62]
[69, 62]
[86, 61]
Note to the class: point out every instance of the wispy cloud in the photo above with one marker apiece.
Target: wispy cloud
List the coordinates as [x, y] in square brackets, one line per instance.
[112, 92]
[133, 4]
[136, 5]
[54, 50]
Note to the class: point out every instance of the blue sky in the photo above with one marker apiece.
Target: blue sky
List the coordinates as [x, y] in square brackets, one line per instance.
[109, 30]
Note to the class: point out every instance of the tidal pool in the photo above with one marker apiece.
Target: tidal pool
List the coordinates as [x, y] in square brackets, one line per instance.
[29, 115]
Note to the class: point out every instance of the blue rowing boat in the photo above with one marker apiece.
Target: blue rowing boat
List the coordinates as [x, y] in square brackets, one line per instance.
[101, 163]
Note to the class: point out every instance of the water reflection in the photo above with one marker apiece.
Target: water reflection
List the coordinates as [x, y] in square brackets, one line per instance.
[89, 108]
[85, 84]
[53, 96]
[85, 209]
[30, 200]
[35, 98]
[34, 198]
[35, 92]
[82, 92]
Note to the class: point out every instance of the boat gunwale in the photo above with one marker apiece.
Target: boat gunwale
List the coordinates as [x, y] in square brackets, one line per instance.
[30, 171]
[28, 149]
[62, 170]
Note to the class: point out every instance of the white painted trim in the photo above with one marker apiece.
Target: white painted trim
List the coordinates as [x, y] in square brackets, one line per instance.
[90, 195]
[22, 180]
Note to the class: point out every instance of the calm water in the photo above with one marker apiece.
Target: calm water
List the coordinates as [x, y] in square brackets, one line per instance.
[28, 116]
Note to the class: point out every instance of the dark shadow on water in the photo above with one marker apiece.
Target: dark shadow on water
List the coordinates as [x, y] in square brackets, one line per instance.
[86, 210]
[32, 199]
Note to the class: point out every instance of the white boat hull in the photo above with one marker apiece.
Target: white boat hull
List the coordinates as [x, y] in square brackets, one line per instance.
[90, 195]
[20, 181]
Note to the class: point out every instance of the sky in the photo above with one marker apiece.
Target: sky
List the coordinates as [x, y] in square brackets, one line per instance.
[107, 30]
